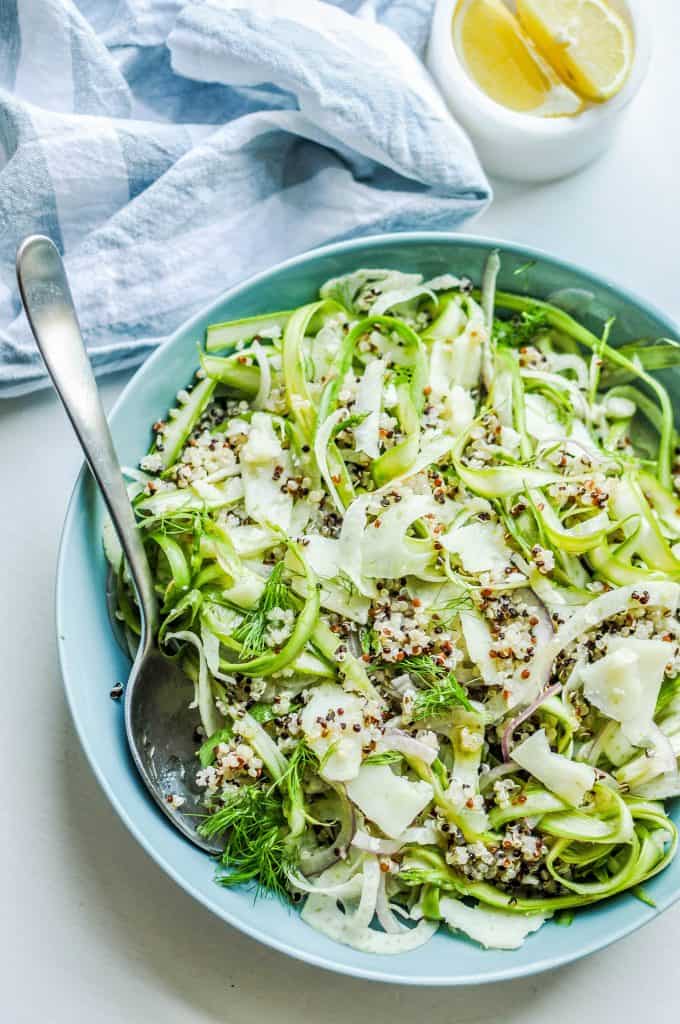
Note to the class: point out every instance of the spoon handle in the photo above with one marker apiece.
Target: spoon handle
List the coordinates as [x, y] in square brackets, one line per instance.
[49, 307]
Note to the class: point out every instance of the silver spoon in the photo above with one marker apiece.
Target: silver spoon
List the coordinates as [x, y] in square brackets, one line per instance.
[159, 725]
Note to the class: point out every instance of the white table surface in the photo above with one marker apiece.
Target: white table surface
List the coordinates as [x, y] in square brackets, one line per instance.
[90, 929]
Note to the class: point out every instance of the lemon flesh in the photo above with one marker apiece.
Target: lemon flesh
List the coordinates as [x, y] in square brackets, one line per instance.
[586, 41]
[504, 62]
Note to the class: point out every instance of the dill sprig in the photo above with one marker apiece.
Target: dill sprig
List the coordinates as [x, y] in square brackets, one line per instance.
[519, 330]
[259, 822]
[251, 631]
[439, 698]
[176, 522]
[256, 849]
[302, 759]
[449, 610]
[423, 669]
[440, 689]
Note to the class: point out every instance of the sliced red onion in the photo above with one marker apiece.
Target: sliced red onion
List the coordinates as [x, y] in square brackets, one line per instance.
[527, 713]
[395, 739]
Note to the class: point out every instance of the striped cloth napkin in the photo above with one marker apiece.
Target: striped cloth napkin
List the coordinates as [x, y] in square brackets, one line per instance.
[172, 149]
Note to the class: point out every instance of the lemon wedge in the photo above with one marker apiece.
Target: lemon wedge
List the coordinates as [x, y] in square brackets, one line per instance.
[586, 41]
[503, 61]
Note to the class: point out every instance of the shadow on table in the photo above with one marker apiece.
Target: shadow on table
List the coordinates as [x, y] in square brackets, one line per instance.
[171, 943]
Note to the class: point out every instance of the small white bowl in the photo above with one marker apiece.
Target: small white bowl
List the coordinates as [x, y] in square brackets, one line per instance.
[526, 147]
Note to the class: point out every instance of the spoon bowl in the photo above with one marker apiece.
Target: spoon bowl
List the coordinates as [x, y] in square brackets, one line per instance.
[161, 731]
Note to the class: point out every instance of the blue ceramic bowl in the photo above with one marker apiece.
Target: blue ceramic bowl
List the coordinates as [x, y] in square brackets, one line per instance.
[91, 660]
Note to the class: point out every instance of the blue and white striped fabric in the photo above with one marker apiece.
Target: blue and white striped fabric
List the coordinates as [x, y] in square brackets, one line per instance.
[171, 149]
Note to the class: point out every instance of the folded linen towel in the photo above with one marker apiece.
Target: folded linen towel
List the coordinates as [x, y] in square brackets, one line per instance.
[174, 149]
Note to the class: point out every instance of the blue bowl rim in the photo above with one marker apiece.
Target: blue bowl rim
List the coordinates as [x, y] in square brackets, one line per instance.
[410, 237]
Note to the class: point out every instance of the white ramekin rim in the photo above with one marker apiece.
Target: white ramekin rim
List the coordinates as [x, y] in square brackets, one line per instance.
[454, 81]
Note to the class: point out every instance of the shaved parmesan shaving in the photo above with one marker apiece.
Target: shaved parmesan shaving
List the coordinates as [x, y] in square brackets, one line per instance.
[567, 779]
[245, 591]
[388, 800]
[459, 410]
[625, 684]
[325, 348]
[325, 556]
[478, 643]
[251, 540]
[481, 547]
[587, 617]
[424, 835]
[491, 928]
[265, 502]
[542, 419]
[339, 752]
[386, 550]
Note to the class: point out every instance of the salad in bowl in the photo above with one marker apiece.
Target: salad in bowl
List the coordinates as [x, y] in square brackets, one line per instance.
[417, 543]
